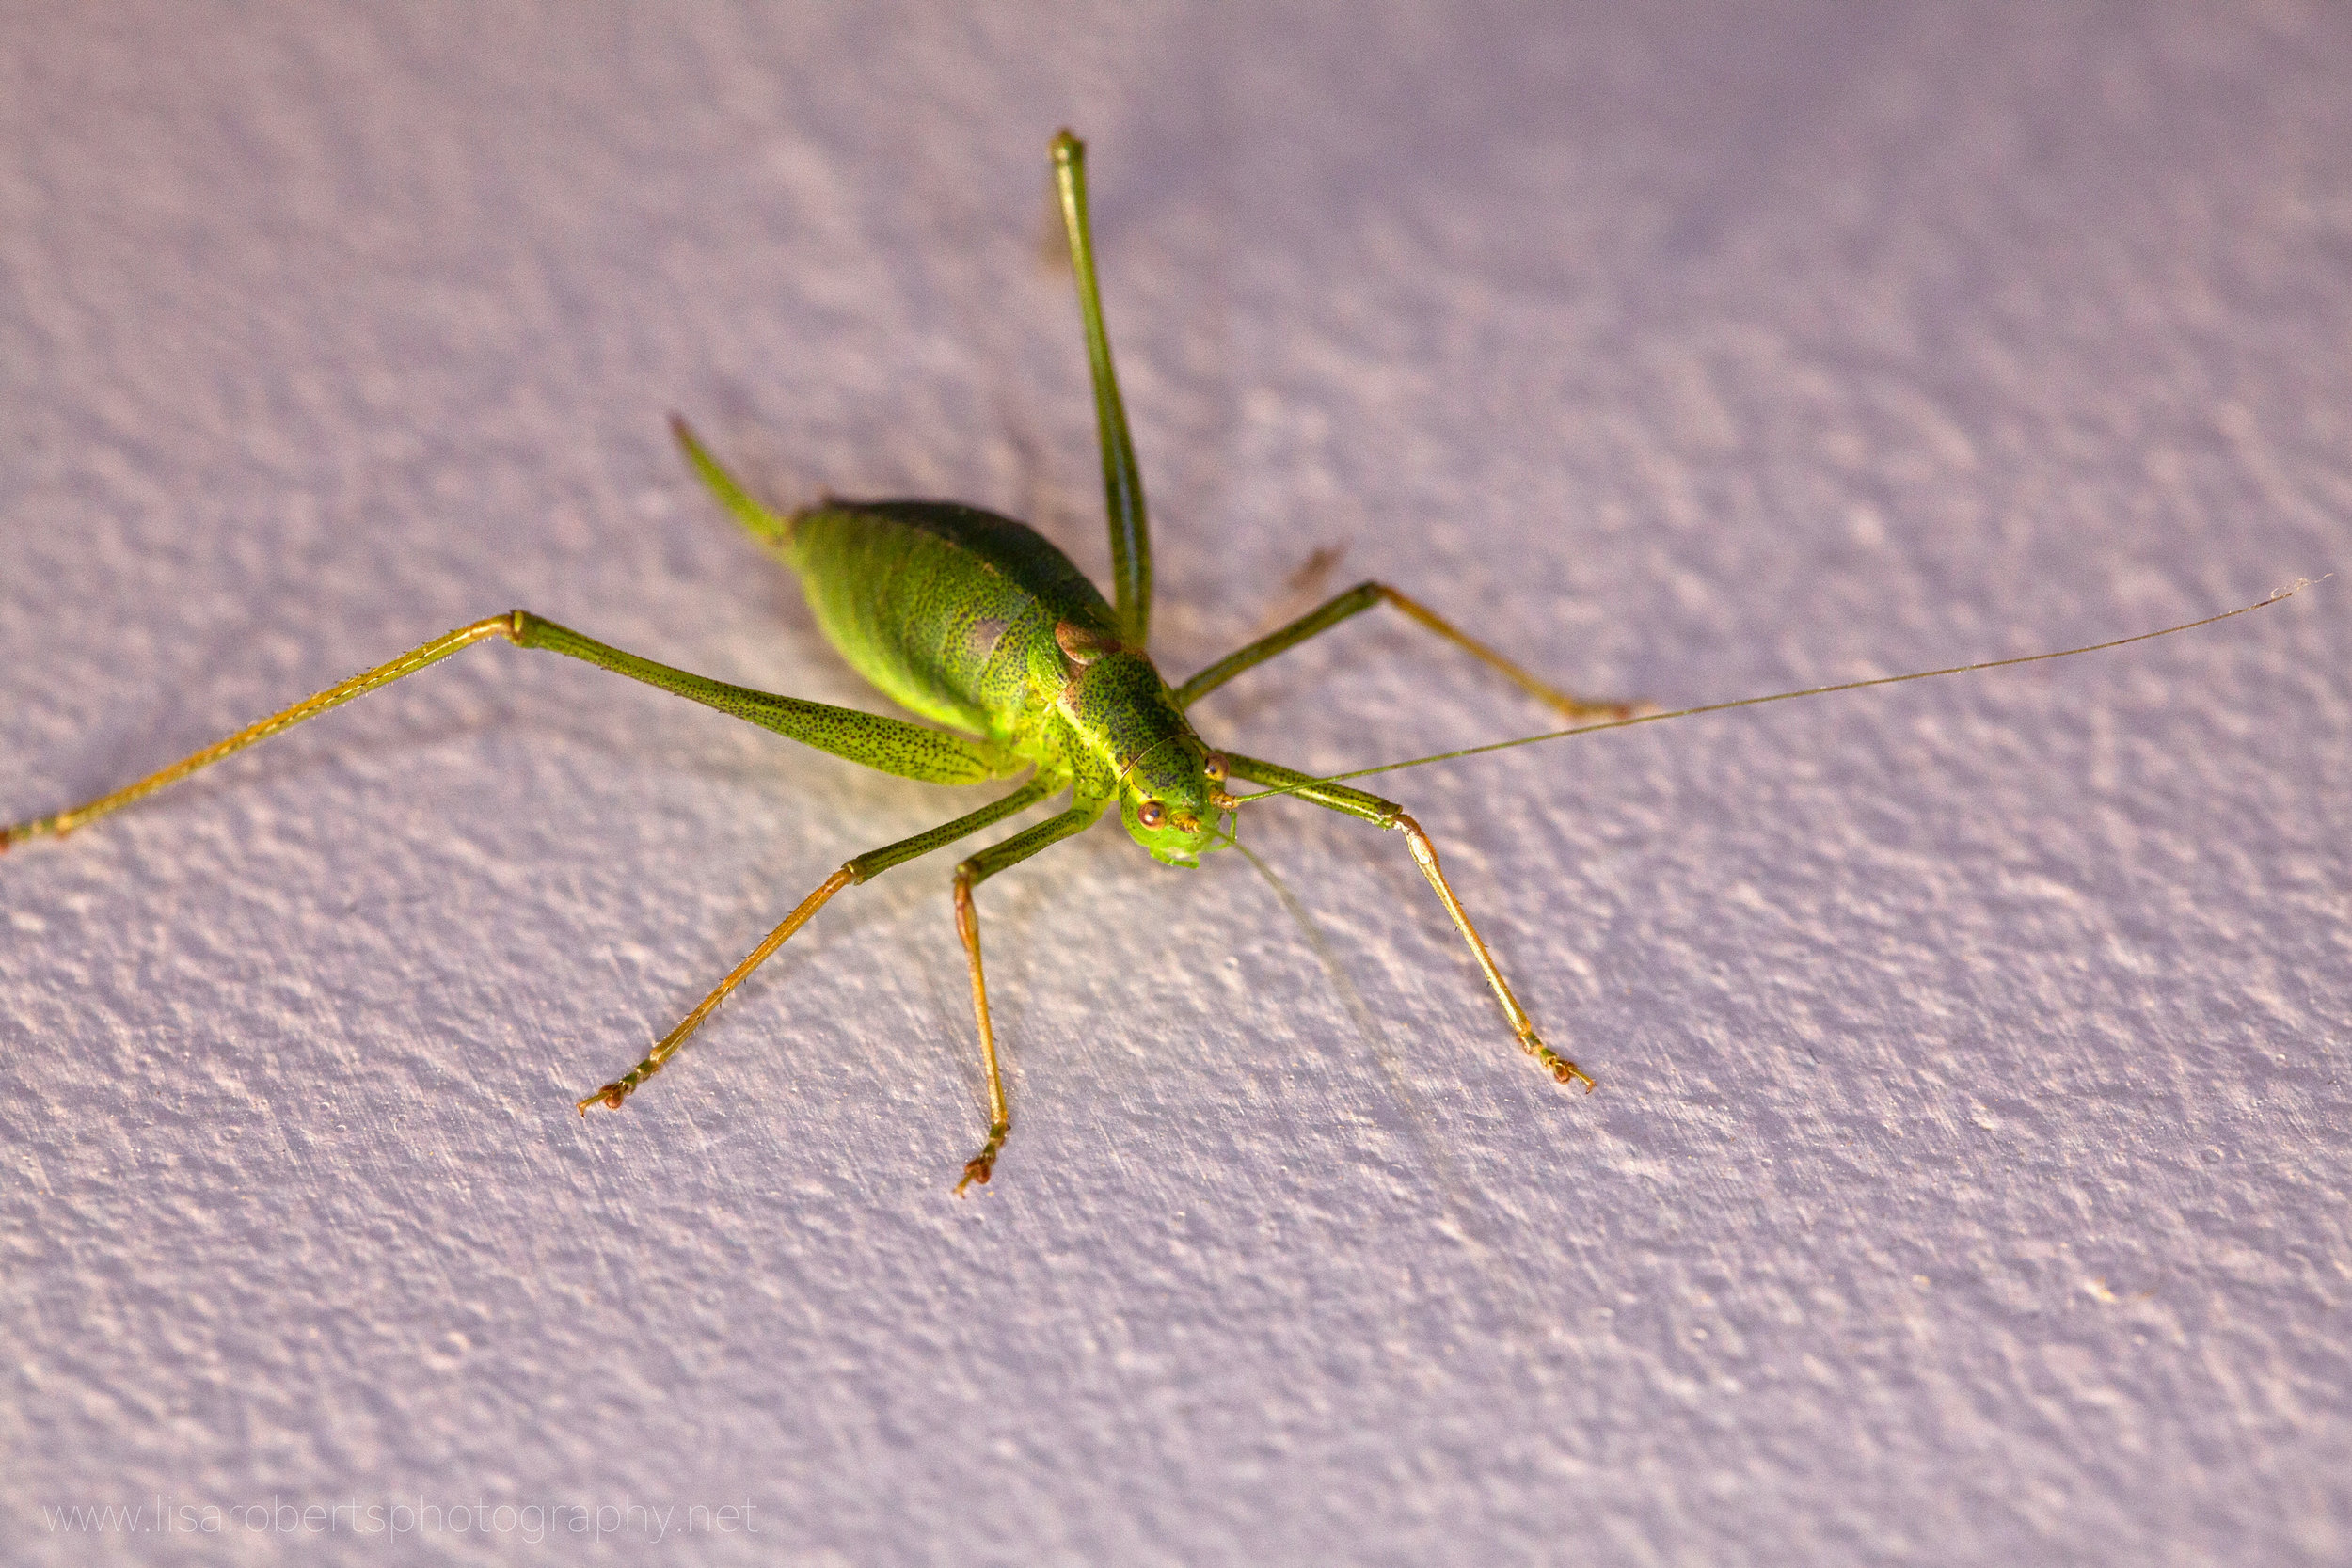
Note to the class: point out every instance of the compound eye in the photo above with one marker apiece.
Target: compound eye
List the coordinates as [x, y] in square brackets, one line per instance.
[1214, 768]
[1150, 813]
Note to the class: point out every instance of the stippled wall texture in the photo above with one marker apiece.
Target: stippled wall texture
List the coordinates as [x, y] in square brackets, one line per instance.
[1966, 1183]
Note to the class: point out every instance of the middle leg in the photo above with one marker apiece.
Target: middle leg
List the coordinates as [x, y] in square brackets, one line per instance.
[870, 864]
[1355, 602]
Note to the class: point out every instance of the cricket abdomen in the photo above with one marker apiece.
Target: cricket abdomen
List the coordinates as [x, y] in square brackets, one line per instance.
[949, 609]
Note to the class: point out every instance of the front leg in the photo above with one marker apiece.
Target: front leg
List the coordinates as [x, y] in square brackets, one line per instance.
[971, 873]
[1388, 814]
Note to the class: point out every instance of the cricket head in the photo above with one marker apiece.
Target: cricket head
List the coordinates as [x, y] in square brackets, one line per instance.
[1174, 803]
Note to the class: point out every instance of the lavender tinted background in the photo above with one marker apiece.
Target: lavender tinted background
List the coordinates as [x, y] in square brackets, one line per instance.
[1967, 1181]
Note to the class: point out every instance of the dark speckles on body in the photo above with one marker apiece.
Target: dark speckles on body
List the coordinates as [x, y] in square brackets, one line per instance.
[965, 634]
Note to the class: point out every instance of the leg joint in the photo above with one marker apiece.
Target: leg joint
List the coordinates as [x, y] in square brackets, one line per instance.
[1424, 851]
[967, 918]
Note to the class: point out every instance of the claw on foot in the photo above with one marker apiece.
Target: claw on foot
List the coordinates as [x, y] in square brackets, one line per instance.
[611, 1095]
[1558, 1065]
[983, 1164]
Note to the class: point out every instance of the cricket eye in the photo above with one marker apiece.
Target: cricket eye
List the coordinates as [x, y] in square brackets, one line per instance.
[1214, 768]
[1150, 813]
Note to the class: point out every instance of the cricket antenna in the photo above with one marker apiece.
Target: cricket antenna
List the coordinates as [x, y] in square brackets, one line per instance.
[2276, 595]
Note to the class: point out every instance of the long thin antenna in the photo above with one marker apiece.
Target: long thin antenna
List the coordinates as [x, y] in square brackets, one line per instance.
[2277, 594]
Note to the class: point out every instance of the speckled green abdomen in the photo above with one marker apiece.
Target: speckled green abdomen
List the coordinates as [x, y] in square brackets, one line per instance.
[949, 609]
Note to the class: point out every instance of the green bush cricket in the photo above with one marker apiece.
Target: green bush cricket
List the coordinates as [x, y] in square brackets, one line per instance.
[976, 623]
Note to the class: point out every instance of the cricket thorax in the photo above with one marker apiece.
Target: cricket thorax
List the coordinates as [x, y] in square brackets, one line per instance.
[1119, 709]
[1168, 785]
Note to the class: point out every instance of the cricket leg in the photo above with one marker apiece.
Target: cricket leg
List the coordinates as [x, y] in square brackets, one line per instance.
[971, 873]
[888, 745]
[58, 824]
[864, 868]
[1122, 481]
[1388, 814]
[1355, 602]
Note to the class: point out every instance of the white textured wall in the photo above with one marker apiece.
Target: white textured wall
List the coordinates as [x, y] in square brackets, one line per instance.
[1968, 1179]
